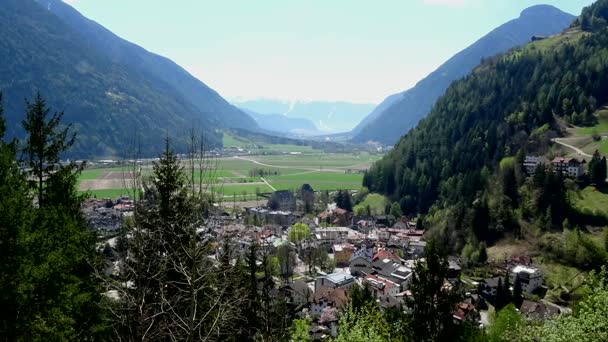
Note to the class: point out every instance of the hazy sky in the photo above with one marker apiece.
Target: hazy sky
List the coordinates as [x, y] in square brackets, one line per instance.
[353, 50]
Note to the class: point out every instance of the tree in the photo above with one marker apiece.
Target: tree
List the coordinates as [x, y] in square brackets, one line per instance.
[343, 200]
[432, 302]
[298, 232]
[300, 330]
[396, 210]
[177, 292]
[45, 142]
[361, 297]
[597, 168]
[505, 325]
[47, 251]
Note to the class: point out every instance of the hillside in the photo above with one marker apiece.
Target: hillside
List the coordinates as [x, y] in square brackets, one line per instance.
[401, 112]
[120, 51]
[328, 117]
[507, 107]
[113, 106]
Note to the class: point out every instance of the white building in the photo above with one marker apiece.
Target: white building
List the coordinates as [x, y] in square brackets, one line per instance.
[530, 278]
[532, 162]
[335, 280]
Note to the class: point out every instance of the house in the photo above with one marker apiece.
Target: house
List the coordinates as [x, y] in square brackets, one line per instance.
[335, 280]
[361, 261]
[391, 269]
[342, 253]
[489, 287]
[538, 310]
[570, 167]
[466, 312]
[328, 297]
[530, 278]
[532, 162]
[415, 249]
[336, 216]
[381, 287]
[298, 293]
[332, 235]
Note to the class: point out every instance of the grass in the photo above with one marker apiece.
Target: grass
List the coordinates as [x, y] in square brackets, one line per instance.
[590, 199]
[108, 193]
[321, 177]
[90, 174]
[376, 203]
[240, 189]
[316, 186]
[600, 127]
[230, 140]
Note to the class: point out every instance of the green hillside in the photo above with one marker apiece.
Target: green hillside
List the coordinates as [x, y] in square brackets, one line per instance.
[449, 161]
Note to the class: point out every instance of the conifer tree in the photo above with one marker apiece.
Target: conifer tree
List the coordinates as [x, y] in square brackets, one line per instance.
[46, 141]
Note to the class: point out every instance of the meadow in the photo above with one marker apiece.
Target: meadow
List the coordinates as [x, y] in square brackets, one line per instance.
[232, 178]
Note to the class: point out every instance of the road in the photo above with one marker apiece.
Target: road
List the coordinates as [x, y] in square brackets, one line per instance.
[576, 149]
[293, 167]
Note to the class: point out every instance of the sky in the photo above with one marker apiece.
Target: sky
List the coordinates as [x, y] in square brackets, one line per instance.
[332, 50]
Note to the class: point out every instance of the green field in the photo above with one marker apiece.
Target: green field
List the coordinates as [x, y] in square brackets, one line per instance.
[320, 177]
[590, 199]
[601, 127]
[232, 176]
[90, 174]
[109, 193]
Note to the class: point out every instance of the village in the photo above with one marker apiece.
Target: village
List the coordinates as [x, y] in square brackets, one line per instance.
[319, 252]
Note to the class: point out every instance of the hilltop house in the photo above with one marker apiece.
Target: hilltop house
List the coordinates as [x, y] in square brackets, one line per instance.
[570, 167]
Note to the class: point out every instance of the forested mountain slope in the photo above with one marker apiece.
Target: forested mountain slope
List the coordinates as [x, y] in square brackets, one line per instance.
[507, 105]
[120, 51]
[113, 106]
[401, 112]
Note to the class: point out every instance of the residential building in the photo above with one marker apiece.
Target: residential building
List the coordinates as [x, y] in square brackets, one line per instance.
[327, 297]
[537, 310]
[298, 292]
[530, 278]
[342, 253]
[532, 162]
[570, 167]
[361, 261]
[335, 280]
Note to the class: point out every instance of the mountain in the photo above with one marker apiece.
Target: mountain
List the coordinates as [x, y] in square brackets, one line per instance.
[283, 124]
[115, 103]
[461, 164]
[328, 117]
[401, 112]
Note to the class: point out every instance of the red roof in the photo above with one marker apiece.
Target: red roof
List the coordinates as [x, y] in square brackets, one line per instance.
[385, 254]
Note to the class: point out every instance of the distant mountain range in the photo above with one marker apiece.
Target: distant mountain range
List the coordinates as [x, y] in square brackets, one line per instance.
[284, 125]
[327, 117]
[117, 94]
[399, 113]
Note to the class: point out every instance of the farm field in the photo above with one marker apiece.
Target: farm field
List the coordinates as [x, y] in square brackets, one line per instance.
[238, 178]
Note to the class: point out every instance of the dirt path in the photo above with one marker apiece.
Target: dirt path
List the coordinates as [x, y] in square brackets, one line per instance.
[576, 149]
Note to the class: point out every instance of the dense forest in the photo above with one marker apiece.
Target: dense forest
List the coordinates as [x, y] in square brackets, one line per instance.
[448, 165]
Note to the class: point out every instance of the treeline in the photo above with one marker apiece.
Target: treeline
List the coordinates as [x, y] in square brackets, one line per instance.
[48, 288]
[506, 106]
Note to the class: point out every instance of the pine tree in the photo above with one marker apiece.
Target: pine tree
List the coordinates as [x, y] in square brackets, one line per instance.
[45, 142]
[432, 303]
